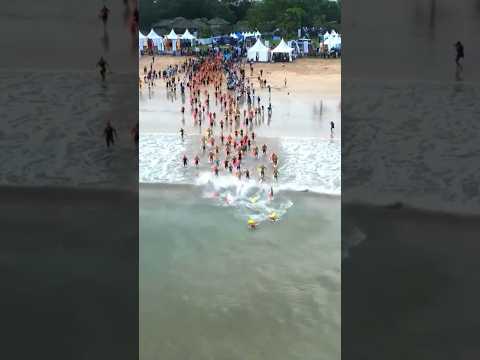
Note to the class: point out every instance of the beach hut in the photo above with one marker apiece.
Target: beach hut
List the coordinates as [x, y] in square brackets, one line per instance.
[258, 52]
[283, 50]
[156, 39]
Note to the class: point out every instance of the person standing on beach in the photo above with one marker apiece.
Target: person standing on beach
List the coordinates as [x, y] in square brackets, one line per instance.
[332, 126]
[185, 161]
[110, 134]
[460, 53]
[182, 133]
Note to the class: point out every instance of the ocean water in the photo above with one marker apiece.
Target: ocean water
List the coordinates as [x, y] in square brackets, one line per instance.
[39, 147]
[210, 287]
[307, 164]
[439, 121]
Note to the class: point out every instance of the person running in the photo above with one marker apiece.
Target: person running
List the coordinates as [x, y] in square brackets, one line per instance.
[275, 173]
[104, 12]
[460, 53]
[135, 135]
[264, 149]
[110, 134]
[103, 67]
[262, 172]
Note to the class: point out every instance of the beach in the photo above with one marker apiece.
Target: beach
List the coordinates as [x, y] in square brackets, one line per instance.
[210, 287]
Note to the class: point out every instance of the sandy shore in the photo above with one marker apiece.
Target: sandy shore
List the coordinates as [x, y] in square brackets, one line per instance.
[404, 286]
[69, 262]
[302, 109]
[303, 75]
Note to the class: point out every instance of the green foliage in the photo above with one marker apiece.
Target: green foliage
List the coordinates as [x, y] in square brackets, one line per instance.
[266, 15]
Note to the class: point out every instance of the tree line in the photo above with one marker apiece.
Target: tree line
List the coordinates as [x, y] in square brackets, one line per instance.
[283, 16]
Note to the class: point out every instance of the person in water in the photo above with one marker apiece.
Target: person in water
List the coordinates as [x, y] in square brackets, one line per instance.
[460, 53]
[110, 134]
[332, 126]
[104, 12]
[102, 64]
[185, 161]
[197, 160]
[182, 133]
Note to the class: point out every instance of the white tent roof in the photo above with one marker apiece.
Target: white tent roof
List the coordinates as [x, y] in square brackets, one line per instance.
[153, 35]
[172, 35]
[282, 48]
[257, 33]
[141, 36]
[258, 47]
[187, 35]
[233, 35]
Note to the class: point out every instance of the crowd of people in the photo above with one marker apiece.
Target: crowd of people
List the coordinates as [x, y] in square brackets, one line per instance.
[226, 118]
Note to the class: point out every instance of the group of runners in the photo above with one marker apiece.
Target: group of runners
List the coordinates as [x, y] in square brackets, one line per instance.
[226, 119]
[131, 17]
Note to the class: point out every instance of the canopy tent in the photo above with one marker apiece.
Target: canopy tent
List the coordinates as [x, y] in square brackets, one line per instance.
[156, 39]
[174, 38]
[258, 34]
[258, 52]
[334, 41]
[172, 35]
[283, 48]
[187, 35]
[142, 39]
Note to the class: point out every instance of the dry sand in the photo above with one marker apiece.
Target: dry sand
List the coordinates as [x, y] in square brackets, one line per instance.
[303, 75]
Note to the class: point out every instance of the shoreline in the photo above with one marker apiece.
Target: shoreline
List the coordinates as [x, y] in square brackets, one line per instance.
[165, 186]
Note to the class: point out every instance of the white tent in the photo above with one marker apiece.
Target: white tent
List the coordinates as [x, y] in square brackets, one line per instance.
[283, 48]
[258, 34]
[142, 39]
[156, 39]
[258, 51]
[187, 35]
[174, 37]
